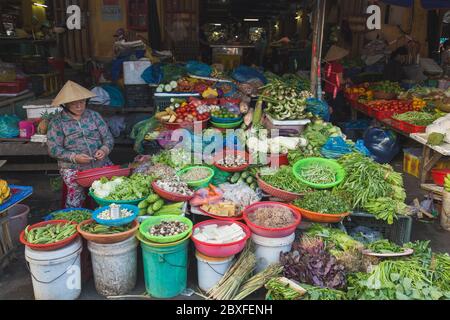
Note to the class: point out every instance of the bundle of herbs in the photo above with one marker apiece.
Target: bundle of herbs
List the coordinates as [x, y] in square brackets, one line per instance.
[344, 248]
[325, 201]
[374, 187]
[309, 262]
[422, 276]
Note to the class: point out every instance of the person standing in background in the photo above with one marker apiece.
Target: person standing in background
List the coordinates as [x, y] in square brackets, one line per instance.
[260, 49]
[335, 83]
[393, 71]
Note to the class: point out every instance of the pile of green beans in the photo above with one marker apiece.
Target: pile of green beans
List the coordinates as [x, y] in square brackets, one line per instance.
[417, 118]
[75, 216]
[318, 174]
[96, 228]
[284, 179]
[50, 233]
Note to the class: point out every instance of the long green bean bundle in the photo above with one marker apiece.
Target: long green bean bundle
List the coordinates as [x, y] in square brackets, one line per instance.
[318, 174]
[417, 118]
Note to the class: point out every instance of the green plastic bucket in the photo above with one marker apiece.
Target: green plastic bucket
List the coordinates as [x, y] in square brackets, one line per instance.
[165, 269]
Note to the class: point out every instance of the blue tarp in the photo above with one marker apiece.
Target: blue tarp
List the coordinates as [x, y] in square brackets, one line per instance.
[426, 4]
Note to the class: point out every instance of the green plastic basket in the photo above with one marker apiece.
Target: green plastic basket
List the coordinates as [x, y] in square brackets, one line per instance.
[333, 164]
[199, 183]
[230, 125]
[104, 203]
[148, 223]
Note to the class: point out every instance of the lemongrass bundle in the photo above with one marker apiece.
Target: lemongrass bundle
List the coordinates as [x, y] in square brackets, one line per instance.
[229, 285]
[258, 281]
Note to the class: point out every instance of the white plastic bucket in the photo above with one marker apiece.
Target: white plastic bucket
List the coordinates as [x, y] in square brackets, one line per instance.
[211, 270]
[267, 250]
[56, 274]
[114, 266]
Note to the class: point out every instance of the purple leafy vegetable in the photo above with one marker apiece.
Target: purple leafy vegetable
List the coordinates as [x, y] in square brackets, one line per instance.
[309, 262]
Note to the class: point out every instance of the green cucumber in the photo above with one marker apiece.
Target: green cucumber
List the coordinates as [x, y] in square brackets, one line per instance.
[250, 180]
[150, 210]
[158, 205]
[245, 175]
[143, 204]
[153, 198]
[235, 178]
[143, 212]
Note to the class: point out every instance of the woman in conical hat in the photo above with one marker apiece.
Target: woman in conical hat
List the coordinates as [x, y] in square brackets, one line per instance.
[334, 82]
[78, 138]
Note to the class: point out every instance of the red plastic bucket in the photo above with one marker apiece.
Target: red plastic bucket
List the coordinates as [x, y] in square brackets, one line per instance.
[439, 175]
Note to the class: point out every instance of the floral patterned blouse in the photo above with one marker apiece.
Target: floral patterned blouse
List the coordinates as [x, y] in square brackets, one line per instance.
[68, 137]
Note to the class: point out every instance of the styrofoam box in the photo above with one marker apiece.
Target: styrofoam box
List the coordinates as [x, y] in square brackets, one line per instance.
[132, 71]
[35, 112]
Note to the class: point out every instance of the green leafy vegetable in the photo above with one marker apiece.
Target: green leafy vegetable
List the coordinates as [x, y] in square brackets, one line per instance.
[283, 179]
[384, 246]
[324, 202]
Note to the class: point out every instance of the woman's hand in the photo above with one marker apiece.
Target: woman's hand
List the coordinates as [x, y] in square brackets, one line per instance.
[100, 155]
[82, 159]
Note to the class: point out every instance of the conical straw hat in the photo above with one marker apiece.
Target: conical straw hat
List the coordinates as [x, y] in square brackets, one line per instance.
[71, 92]
[335, 53]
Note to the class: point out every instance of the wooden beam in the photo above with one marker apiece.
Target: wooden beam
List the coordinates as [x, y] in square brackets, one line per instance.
[23, 149]
[30, 167]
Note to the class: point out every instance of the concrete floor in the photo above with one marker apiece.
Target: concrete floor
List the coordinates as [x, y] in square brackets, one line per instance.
[15, 281]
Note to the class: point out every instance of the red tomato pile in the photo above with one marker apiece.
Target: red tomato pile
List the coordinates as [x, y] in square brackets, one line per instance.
[390, 105]
[189, 113]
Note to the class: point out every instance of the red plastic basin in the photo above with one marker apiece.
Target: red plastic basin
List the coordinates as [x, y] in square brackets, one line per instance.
[439, 175]
[86, 178]
[50, 246]
[271, 232]
[220, 250]
[169, 195]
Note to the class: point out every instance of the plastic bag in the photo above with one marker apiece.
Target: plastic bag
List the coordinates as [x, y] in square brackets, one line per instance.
[116, 98]
[140, 130]
[198, 68]
[361, 148]
[244, 74]
[382, 144]
[116, 125]
[365, 235]
[240, 194]
[319, 108]
[336, 147]
[9, 126]
[101, 96]
[153, 74]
